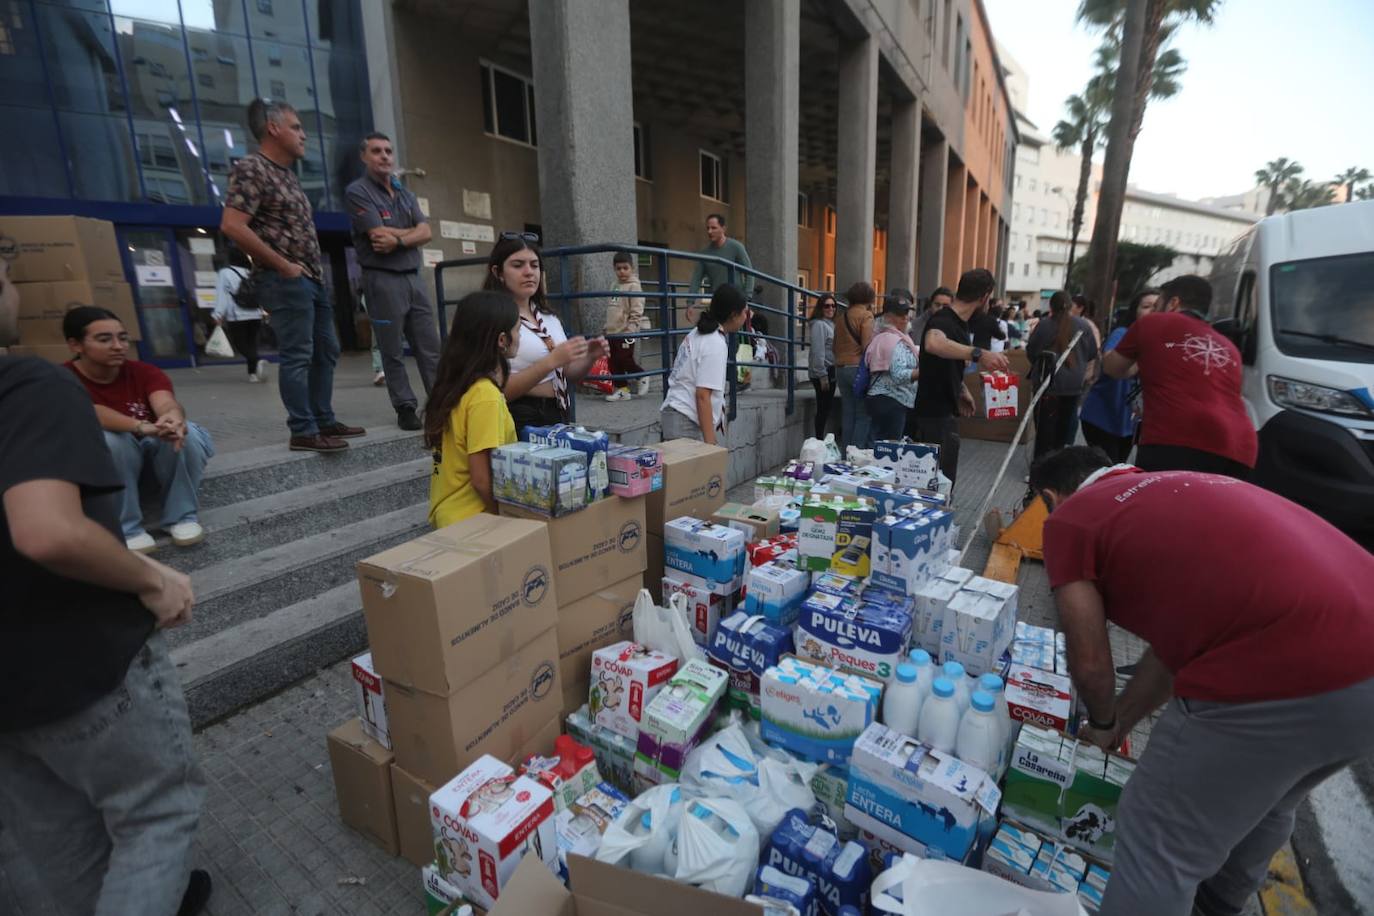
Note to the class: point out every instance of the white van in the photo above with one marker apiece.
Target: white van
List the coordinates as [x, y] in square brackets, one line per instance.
[1296, 293]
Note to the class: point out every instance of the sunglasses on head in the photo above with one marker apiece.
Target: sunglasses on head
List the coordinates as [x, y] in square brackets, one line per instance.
[522, 236]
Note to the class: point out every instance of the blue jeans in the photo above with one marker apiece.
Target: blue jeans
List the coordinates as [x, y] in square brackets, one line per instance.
[178, 474]
[303, 320]
[854, 421]
[104, 803]
[887, 418]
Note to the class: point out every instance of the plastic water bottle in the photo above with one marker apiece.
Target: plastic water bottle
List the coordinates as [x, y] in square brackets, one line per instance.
[902, 702]
[992, 684]
[939, 727]
[955, 672]
[979, 740]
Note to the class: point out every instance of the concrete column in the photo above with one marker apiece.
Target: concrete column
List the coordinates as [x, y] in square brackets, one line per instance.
[904, 170]
[858, 160]
[955, 196]
[934, 175]
[971, 211]
[1003, 237]
[772, 56]
[383, 73]
[585, 111]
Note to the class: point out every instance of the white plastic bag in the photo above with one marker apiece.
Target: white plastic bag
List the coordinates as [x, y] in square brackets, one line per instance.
[717, 846]
[859, 457]
[218, 344]
[927, 887]
[727, 766]
[665, 628]
[663, 804]
[813, 451]
[832, 448]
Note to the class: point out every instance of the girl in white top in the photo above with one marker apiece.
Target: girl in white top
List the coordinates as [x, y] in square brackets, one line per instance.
[695, 405]
[241, 325]
[547, 361]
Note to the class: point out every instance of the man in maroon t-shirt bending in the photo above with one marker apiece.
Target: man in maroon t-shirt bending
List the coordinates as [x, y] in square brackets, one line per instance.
[1260, 622]
[144, 426]
[1194, 417]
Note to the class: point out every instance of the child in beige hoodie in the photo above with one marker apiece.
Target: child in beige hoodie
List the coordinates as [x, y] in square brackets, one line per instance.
[625, 315]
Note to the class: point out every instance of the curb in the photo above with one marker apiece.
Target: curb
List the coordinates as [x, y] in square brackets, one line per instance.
[1283, 893]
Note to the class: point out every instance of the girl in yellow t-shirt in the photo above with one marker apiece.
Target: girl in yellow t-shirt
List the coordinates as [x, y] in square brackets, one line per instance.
[466, 416]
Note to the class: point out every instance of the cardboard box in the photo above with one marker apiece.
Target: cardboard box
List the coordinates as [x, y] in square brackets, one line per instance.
[362, 781]
[444, 608]
[625, 678]
[56, 248]
[602, 543]
[755, 522]
[600, 619]
[370, 697]
[1039, 697]
[979, 624]
[705, 550]
[634, 471]
[410, 797]
[917, 464]
[597, 889]
[42, 307]
[815, 712]
[775, 590]
[57, 354]
[978, 426]
[497, 713]
[693, 482]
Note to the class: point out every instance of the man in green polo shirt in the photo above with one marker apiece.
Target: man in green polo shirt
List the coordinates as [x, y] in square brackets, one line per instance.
[717, 275]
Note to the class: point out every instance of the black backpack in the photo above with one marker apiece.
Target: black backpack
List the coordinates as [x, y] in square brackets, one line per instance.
[248, 296]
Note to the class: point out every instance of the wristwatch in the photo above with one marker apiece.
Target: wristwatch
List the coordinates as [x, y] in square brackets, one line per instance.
[976, 355]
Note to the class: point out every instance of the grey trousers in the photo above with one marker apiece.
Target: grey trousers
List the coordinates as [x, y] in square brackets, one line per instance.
[400, 311]
[104, 803]
[676, 425]
[1214, 795]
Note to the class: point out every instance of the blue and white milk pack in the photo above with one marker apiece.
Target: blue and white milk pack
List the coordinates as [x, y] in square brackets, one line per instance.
[746, 645]
[783, 893]
[805, 850]
[815, 712]
[911, 548]
[917, 463]
[868, 636]
[711, 552]
[775, 590]
[593, 443]
[890, 499]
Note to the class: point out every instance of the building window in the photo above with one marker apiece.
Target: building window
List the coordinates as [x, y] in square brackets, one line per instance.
[1025, 269]
[713, 184]
[944, 56]
[830, 222]
[206, 80]
[830, 283]
[641, 153]
[508, 105]
[274, 55]
[803, 211]
[265, 7]
[278, 89]
[1034, 184]
[968, 55]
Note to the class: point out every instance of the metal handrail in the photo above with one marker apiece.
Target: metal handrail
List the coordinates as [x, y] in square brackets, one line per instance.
[666, 293]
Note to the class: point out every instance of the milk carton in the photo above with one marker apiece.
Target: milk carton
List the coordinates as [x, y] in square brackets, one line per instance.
[845, 484]
[488, 814]
[830, 785]
[1039, 697]
[933, 798]
[979, 623]
[1012, 853]
[828, 526]
[705, 607]
[929, 602]
[775, 591]
[633, 470]
[1000, 395]
[711, 552]
[369, 697]
[677, 719]
[889, 499]
[876, 473]
[838, 584]
[545, 479]
[917, 464]
[770, 485]
[782, 894]
[781, 548]
[615, 754]
[815, 712]
[745, 646]
[811, 852]
[868, 638]
[593, 444]
[911, 549]
[625, 677]
[438, 892]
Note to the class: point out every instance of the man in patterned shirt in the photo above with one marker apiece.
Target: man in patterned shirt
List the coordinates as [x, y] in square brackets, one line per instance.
[268, 216]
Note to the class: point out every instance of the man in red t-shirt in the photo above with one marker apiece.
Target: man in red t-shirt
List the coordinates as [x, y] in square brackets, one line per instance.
[144, 426]
[1194, 417]
[1260, 620]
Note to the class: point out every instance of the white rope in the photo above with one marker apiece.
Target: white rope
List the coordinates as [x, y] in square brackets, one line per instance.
[1016, 440]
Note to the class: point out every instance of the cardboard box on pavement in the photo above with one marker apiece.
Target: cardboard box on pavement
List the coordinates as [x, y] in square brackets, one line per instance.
[693, 482]
[600, 619]
[57, 354]
[444, 608]
[597, 889]
[54, 248]
[410, 796]
[602, 543]
[362, 781]
[498, 713]
[756, 522]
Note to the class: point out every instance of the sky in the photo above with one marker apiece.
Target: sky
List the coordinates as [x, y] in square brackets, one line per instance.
[1268, 78]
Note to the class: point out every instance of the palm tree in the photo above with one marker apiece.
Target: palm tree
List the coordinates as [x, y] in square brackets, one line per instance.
[1275, 176]
[1349, 178]
[1299, 194]
[1143, 26]
[1365, 193]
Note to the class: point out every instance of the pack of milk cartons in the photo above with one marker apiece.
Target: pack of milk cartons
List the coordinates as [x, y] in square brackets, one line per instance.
[869, 636]
[911, 548]
[625, 677]
[634, 470]
[889, 499]
[814, 711]
[775, 591]
[1001, 395]
[1022, 856]
[550, 480]
[928, 607]
[592, 443]
[917, 464]
[705, 605]
[581, 825]
[677, 719]
[979, 623]
[615, 753]
[781, 894]
[804, 849]
[745, 646]
[486, 819]
[710, 552]
[829, 526]
[918, 798]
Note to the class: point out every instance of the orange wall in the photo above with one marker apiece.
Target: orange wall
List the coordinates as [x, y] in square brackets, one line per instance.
[987, 118]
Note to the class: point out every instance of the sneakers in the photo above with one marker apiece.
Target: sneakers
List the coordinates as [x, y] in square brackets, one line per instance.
[379, 379]
[316, 443]
[620, 394]
[407, 419]
[642, 386]
[263, 369]
[184, 534]
[141, 543]
[254, 378]
[341, 431]
[197, 894]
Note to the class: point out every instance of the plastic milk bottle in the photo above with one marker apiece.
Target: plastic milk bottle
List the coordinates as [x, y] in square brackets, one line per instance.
[902, 701]
[992, 684]
[979, 742]
[939, 726]
[955, 672]
[925, 671]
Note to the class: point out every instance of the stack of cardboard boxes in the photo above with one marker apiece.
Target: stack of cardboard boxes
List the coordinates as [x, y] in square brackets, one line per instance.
[693, 484]
[59, 263]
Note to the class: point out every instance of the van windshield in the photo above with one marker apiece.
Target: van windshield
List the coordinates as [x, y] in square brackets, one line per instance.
[1323, 308]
